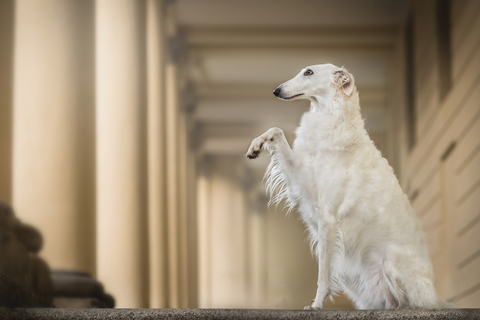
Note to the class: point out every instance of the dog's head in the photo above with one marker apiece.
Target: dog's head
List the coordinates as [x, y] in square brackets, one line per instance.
[319, 81]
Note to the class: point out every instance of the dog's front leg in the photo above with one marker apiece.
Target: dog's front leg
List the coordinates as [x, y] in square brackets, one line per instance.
[282, 167]
[275, 138]
[324, 252]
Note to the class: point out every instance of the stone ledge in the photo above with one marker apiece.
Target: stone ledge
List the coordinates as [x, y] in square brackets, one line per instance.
[247, 314]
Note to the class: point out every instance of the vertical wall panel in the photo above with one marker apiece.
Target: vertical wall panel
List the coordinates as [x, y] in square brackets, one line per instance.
[447, 147]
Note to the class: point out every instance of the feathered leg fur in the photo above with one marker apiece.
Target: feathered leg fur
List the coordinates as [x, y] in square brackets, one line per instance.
[281, 169]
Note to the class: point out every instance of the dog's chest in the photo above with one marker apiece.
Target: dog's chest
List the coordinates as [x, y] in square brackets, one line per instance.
[321, 165]
[324, 172]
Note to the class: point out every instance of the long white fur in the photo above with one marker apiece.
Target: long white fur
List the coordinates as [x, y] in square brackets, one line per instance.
[361, 226]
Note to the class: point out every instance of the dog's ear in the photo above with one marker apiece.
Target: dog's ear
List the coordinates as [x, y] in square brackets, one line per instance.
[346, 81]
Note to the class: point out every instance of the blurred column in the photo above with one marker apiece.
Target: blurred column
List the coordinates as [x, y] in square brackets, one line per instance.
[192, 236]
[182, 209]
[6, 87]
[257, 246]
[204, 226]
[53, 146]
[122, 231]
[228, 236]
[172, 157]
[189, 141]
[172, 187]
[156, 155]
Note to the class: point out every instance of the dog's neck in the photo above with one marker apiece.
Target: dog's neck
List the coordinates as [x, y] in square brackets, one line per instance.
[335, 122]
[319, 103]
[331, 105]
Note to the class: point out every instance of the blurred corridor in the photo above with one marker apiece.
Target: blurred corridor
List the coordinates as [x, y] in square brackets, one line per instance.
[124, 126]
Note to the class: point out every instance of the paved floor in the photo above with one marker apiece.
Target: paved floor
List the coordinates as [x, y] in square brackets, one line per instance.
[247, 314]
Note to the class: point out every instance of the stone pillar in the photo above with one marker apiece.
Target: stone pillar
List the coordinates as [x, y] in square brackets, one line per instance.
[172, 157]
[53, 146]
[6, 87]
[188, 141]
[204, 246]
[258, 247]
[192, 235]
[228, 236]
[172, 186]
[156, 155]
[183, 198]
[122, 231]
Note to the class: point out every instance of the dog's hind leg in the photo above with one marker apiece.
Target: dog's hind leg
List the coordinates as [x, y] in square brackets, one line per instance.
[410, 279]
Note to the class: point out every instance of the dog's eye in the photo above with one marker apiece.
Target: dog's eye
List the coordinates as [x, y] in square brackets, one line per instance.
[308, 72]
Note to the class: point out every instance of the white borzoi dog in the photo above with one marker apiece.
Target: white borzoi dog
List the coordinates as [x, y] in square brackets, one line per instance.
[362, 228]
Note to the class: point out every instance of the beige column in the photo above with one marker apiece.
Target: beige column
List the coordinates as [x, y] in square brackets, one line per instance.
[172, 186]
[204, 244]
[192, 236]
[122, 231]
[172, 159]
[228, 236]
[257, 248]
[183, 198]
[53, 146]
[156, 155]
[6, 87]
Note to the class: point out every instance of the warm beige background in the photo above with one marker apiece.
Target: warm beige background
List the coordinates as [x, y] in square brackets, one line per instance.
[124, 124]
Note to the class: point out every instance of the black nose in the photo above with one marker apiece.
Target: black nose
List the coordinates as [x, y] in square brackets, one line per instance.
[276, 92]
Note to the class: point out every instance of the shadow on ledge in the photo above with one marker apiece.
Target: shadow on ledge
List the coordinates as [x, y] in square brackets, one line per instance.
[249, 314]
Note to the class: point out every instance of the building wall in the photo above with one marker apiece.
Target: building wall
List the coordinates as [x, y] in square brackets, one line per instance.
[441, 172]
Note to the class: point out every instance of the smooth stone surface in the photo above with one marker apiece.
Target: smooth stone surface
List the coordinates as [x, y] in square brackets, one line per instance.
[250, 314]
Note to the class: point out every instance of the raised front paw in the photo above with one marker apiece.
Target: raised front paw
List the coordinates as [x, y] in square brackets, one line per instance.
[255, 148]
[269, 137]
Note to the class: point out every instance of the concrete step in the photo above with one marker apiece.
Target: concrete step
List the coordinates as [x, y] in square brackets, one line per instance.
[247, 314]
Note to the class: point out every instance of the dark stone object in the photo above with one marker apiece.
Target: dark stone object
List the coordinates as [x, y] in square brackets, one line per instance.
[250, 314]
[24, 277]
[41, 281]
[29, 236]
[75, 302]
[74, 289]
[7, 217]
